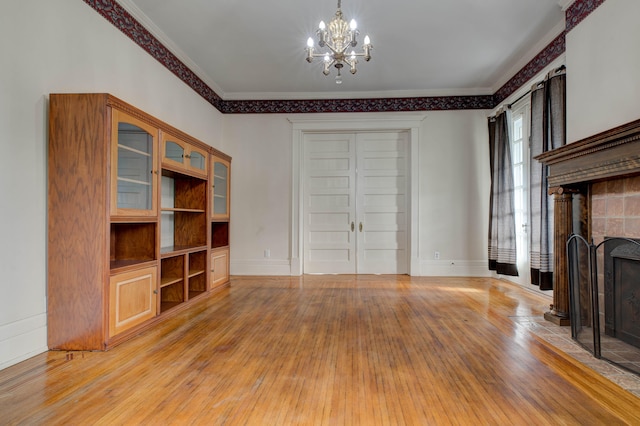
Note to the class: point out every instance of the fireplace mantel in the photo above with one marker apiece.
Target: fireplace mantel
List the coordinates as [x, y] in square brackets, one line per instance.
[610, 154]
[572, 169]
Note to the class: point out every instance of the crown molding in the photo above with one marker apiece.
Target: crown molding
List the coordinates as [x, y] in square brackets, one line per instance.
[238, 96]
[565, 4]
[153, 29]
[129, 19]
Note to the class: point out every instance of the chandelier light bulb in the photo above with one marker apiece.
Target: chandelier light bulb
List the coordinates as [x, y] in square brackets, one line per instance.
[353, 24]
[322, 25]
[327, 58]
[367, 40]
[309, 42]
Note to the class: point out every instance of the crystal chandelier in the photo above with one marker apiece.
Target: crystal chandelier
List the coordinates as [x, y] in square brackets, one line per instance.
[338, 37]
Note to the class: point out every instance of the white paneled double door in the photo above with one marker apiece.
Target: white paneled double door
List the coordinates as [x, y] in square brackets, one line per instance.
[355, 203]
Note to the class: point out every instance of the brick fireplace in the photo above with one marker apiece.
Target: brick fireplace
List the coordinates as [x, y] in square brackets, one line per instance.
[615, 212]
[615, 208]
[596, 183]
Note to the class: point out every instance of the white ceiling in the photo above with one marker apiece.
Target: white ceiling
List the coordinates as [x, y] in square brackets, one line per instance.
[255, 49]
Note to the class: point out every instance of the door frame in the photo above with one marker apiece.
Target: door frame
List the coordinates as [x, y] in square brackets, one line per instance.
[364, 123]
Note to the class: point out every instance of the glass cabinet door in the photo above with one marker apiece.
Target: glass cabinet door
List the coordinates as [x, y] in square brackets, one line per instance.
[174, 152]
[197, 161]
[133, 167]
[182, 156]
[220, 199]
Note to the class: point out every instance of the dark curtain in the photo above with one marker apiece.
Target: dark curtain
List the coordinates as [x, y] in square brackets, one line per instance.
[502, 224]
[548, 114]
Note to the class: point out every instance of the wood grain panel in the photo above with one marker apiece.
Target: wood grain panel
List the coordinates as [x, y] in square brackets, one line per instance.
[77, 221]
[190, 193]
[344, 350]
[219, 234]
[190, 229]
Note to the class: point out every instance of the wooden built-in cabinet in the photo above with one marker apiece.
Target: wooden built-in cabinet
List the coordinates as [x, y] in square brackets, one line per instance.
[132, 230]
[220, 182]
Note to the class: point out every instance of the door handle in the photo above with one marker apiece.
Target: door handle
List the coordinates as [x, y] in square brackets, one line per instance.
[353, 227]
[360, 227]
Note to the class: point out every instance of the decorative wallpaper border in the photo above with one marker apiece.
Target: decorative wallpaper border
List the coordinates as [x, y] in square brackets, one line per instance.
[537, 64]
[358, 105]
[579, 10]
[126, 23]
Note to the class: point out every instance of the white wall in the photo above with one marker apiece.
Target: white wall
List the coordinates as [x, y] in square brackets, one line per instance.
[453, 192]
[603, 70]
[260, 192]
[62, 46]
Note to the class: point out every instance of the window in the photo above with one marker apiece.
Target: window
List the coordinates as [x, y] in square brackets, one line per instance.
[519, 155]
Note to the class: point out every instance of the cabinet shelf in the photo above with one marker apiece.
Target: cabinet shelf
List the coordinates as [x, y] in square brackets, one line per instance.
[170, 251]
[165, 306]
[115, 265]
[195, 272]
[169, 210]
[137, 151]
[193, 294]
[137, 182]
[165, 281]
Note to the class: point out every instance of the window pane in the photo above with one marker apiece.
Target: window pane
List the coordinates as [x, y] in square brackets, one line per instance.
[517, 152]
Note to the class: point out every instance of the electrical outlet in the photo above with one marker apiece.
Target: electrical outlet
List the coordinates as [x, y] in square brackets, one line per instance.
[267, 254]
[436, 255]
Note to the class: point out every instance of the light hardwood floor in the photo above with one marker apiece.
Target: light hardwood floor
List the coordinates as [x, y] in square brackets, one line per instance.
[326, 350]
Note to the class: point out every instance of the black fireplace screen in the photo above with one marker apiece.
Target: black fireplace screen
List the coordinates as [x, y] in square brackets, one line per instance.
[604, 291]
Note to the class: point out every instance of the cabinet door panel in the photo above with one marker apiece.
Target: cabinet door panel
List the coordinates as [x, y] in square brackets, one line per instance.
[174, 152]
[220, 189]
[182, 156]
[132, 299]
[133, 166]
[198, 161]
[219, 267]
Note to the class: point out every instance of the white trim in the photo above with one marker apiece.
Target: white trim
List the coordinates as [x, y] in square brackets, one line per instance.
[260, 267]
[565, 4]
[19, 339]
[519, 64]
[454, 268]
[480, 91]
[150, 26]
[364, 122]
